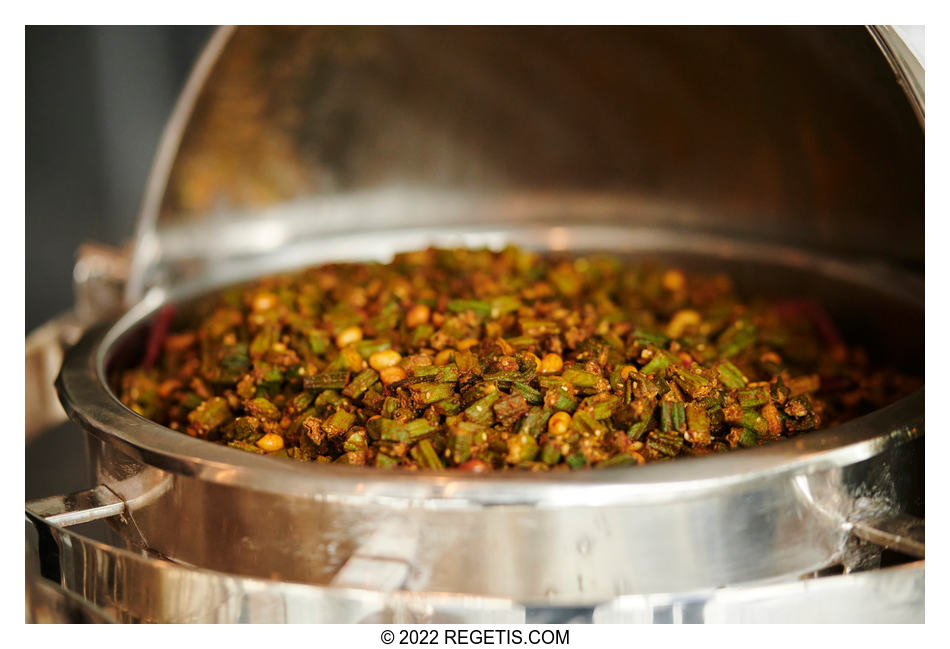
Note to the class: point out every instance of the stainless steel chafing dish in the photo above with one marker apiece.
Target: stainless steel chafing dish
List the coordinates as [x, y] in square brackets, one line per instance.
[785, 155]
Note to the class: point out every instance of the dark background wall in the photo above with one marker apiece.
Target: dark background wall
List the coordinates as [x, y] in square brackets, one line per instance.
[97, 99]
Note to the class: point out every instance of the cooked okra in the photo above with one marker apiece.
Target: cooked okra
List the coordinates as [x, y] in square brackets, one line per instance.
[482, 360]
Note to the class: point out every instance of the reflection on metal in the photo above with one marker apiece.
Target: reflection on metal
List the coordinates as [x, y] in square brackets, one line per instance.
[403, 218]
[383, 562]
[145, 246]
[99, 279]
[294, 146]
[166, 592]
[573, 539]
[92, 575]
[886, 596]
[76, 508]
[44, 357]
[894, 532]
[48, 603]
[908, 70]
[785, 134]
[141, 489]
[574, 542]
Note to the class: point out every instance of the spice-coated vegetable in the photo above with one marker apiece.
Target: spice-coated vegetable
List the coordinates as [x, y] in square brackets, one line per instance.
[487, 360]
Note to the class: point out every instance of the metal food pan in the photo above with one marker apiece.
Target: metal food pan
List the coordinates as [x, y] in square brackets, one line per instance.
[790, 157]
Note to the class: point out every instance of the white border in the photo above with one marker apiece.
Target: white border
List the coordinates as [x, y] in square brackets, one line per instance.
[276, 11]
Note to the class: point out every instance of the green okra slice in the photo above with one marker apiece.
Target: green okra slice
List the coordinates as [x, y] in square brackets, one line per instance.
[730, 376]
[579, 378]
[576, 460]
[736, 339]
[620, 459]
[753, 397]
[461, 437]
[479, 307]
[521, 448]
[386, 462]
[356, 441]
[339, 422]
[361, 383]
[672, 415]
[665, 444]
[661, 360]
[550, 453]
[504, 304]
[335, 380]
[585, 423]
[530, 395]
[425, 456]
[693, 383]
[426, 393]
[646, 338]
[602, 405]
[481, 411]
[408, 432]
[697, 418]
[533, 327]
[210, 415]
[535, 422]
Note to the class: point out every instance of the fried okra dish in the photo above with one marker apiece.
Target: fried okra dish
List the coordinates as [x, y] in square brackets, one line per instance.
[481, 360]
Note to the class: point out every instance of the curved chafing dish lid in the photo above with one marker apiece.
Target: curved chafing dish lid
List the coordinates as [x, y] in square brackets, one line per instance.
[794, 135]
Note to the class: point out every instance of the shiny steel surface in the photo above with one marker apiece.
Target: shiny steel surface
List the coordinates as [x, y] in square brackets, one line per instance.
[748, 148]
[81, 507]
[794, 135]
[128, 587]
[908, 70]
[95, 586]
[888, 596]
[48, 603]
[578, 538]
[903, 533]
[44, 356]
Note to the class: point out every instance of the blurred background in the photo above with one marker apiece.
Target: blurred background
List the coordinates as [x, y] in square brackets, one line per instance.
[97, 99]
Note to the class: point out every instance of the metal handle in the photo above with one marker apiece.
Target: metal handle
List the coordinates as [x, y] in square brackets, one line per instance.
[44, 355]
[899, 532]
[99, 279]
[79, 507]
[101, 575]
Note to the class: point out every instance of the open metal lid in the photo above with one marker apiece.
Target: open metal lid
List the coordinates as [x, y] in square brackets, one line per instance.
[791, 135]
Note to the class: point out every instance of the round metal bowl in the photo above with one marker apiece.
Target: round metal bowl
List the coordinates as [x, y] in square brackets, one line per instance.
[791, 158]
[542, 539]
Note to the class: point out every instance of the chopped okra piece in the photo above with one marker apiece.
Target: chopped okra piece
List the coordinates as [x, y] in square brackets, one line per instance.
[326, 381]
[361, 383]
[206, 418]
[339, 422]
[425, 456]
[483, 309]
[576, 461]
[753, 397]
[730, 376]
[408, 432]
[672, 415]
[521, 448]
